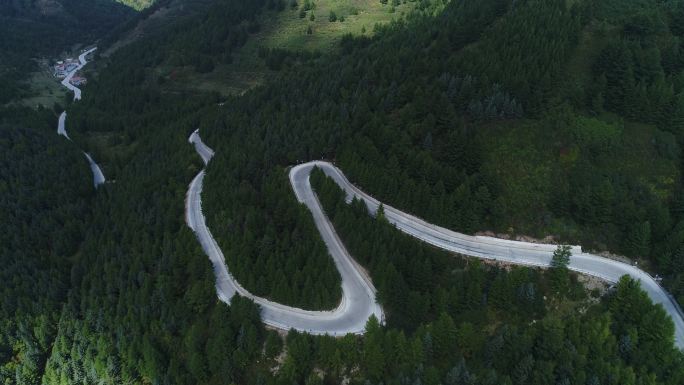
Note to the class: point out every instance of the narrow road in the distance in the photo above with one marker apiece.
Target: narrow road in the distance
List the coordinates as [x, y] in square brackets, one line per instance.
[98, 176]
[523, 253]
[358, 294]
[81, 63]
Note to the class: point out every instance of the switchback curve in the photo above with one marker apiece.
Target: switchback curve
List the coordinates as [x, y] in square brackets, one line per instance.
[358, 294]
[523, 253]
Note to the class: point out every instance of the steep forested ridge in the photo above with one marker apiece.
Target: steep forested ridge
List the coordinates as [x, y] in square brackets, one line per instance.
[44, 203]
[273, 247]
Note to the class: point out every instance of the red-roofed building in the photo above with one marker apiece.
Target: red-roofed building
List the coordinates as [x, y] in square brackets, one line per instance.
[78, 80]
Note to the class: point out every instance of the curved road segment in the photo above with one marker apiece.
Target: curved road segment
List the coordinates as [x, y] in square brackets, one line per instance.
[358, 294]
[81, 63]
[98, 176]
[523, 253]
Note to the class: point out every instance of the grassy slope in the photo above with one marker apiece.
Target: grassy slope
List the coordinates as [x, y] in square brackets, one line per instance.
[42, 88]
[289, 31]
[286, 30]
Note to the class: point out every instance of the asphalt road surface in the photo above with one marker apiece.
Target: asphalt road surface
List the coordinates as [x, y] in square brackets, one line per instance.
[98, 176]
[350, 316]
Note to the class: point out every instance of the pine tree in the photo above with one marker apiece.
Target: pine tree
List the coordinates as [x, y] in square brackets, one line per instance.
[373, 356]
[561, 257]
[639, 239]
[560, 276]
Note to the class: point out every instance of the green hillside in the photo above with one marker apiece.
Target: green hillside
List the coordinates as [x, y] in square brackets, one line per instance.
[560, 119]
[281, 32]
[574, 141]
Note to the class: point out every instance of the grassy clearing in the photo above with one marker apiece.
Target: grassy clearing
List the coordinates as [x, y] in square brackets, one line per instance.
[43, 89]
[287, 30]
[229, 79]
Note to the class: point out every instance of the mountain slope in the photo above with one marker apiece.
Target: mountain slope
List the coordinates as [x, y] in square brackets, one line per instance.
[490, 128]
[481, 114]
[45, 203]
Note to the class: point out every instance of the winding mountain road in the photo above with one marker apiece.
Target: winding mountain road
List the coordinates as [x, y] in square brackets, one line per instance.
[358, 294]
[523, 253]
[350, 317]
[81, 63]
[98, 176]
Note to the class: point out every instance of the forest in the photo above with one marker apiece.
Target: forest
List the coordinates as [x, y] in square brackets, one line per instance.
[472, 135]
[275, 250]
[141, 305]
[44, 205]
[472, 323]
[129, 294]
[439, 114]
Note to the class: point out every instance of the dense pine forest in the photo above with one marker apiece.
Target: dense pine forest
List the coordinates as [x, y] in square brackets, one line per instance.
[522, 117]
[138, 303]
[275, 250]
[445, 304]
[44, 205]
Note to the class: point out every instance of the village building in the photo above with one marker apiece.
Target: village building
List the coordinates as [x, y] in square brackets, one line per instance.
[78, 81]
[62, 68]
